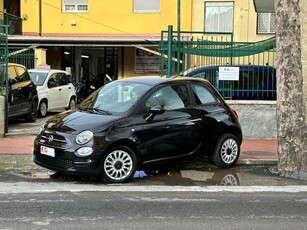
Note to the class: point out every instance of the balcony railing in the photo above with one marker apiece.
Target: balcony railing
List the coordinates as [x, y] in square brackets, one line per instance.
[14, 22]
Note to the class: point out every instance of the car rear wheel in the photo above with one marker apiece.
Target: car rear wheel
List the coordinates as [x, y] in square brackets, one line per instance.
[119, 165]
[32, 115]
[42, 110]
[227, 151]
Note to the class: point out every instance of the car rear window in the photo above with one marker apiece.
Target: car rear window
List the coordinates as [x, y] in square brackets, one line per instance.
[202, 94]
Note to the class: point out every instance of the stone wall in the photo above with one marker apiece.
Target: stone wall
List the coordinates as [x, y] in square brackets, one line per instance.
[257, 118]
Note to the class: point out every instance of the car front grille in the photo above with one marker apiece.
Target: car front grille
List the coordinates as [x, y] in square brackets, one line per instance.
[55, 162]
[52, 139]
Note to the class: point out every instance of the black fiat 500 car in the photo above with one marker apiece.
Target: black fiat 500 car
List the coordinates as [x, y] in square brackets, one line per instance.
[130, 123]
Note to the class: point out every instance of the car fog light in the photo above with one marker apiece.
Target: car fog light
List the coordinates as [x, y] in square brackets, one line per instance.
[84, 137]
[84, 152]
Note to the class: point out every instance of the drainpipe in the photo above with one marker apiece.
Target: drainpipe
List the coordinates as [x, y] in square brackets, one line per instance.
[40, 17]
[178, 37]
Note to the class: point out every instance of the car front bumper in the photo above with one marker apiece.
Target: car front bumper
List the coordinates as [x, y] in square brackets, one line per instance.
[65, 161]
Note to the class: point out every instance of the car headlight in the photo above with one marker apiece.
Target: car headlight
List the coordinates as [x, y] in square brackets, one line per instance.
[84, 137]
[84, 152]
[41, 128]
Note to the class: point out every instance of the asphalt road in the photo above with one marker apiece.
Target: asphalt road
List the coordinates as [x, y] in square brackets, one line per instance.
[154, 210]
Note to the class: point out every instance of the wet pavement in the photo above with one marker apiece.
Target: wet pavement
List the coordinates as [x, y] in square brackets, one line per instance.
[192, 172]
[257, 165]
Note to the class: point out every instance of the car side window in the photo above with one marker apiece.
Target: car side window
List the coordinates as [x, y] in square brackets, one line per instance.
[53, 81]
[63, 79]
[12, 72]
[22, 74]
[170, 97]
[202, 94]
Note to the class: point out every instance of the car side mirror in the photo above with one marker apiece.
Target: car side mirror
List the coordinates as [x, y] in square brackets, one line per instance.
[157, 109]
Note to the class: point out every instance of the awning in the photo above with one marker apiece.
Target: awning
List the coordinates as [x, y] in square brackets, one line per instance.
[90, 41]
[264, 6]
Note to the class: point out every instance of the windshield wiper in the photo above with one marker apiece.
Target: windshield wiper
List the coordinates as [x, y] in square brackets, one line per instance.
[102, 111]
[96, 110]
[91, 110]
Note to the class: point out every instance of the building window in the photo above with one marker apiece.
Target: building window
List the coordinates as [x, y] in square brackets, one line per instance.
[266, 23]
[146, 6]
[75, 5]
[219, 16]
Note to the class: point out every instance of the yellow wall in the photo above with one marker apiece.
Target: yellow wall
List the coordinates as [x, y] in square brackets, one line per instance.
[104, 17]
[245, 19]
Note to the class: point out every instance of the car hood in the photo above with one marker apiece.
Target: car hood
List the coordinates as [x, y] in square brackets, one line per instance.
[77, 121]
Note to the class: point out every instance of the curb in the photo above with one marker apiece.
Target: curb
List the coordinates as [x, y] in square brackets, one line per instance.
[257, 162]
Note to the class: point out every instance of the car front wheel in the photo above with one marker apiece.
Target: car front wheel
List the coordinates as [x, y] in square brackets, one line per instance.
[72, 103]
[119, 165]
[227, 151]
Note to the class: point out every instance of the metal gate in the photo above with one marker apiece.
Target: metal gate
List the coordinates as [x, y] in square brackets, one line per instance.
[200, 54]
[20, 55]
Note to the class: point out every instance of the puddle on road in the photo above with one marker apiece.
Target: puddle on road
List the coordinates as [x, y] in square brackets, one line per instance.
[197, 172]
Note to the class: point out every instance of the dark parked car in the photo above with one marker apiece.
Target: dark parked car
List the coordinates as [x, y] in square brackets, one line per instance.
[255, 82]
[22, 93]
[130, 123]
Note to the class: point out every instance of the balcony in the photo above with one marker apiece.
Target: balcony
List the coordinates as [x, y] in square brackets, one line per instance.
[14, 22]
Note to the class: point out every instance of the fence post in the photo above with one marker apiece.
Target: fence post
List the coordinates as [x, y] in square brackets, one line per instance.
[2, 116]
[169, 50]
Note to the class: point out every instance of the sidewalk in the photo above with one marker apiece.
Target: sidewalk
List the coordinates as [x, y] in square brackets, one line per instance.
[252, 151]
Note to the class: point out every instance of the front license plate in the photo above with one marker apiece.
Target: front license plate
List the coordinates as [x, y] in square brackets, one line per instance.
[47, 151]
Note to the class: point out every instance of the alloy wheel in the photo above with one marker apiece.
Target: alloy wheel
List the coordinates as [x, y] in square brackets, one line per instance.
[118, 165]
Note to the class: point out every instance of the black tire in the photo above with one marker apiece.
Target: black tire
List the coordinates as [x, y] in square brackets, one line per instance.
[32, 115]
[72, 103]
[227, 151]
[42, 109]
[119, 165]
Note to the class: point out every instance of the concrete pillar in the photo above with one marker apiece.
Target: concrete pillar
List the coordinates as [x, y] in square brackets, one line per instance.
[78, 62]
[40, 57]
[2, 116]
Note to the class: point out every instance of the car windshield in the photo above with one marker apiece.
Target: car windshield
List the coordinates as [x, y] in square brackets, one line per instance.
[115, 98]
[38, 77]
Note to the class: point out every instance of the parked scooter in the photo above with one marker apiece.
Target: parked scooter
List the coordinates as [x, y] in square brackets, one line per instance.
[83, 90]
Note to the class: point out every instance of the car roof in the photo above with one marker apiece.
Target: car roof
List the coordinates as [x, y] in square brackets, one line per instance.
[47, 70]
[12, 64]
[155, 80]
[160, 80]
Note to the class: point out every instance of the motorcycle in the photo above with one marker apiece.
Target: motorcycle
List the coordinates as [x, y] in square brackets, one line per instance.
[83, 90]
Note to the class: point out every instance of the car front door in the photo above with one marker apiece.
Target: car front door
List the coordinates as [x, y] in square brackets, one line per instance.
[177, 130]
[65, 89]
[25, 88]
[54, 94]
[15, 95]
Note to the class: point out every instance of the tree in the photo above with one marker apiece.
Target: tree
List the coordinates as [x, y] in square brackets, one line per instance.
[291, 112]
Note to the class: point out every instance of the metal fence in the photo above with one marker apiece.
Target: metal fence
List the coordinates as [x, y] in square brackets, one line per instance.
[199, 54]
[20, 55]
